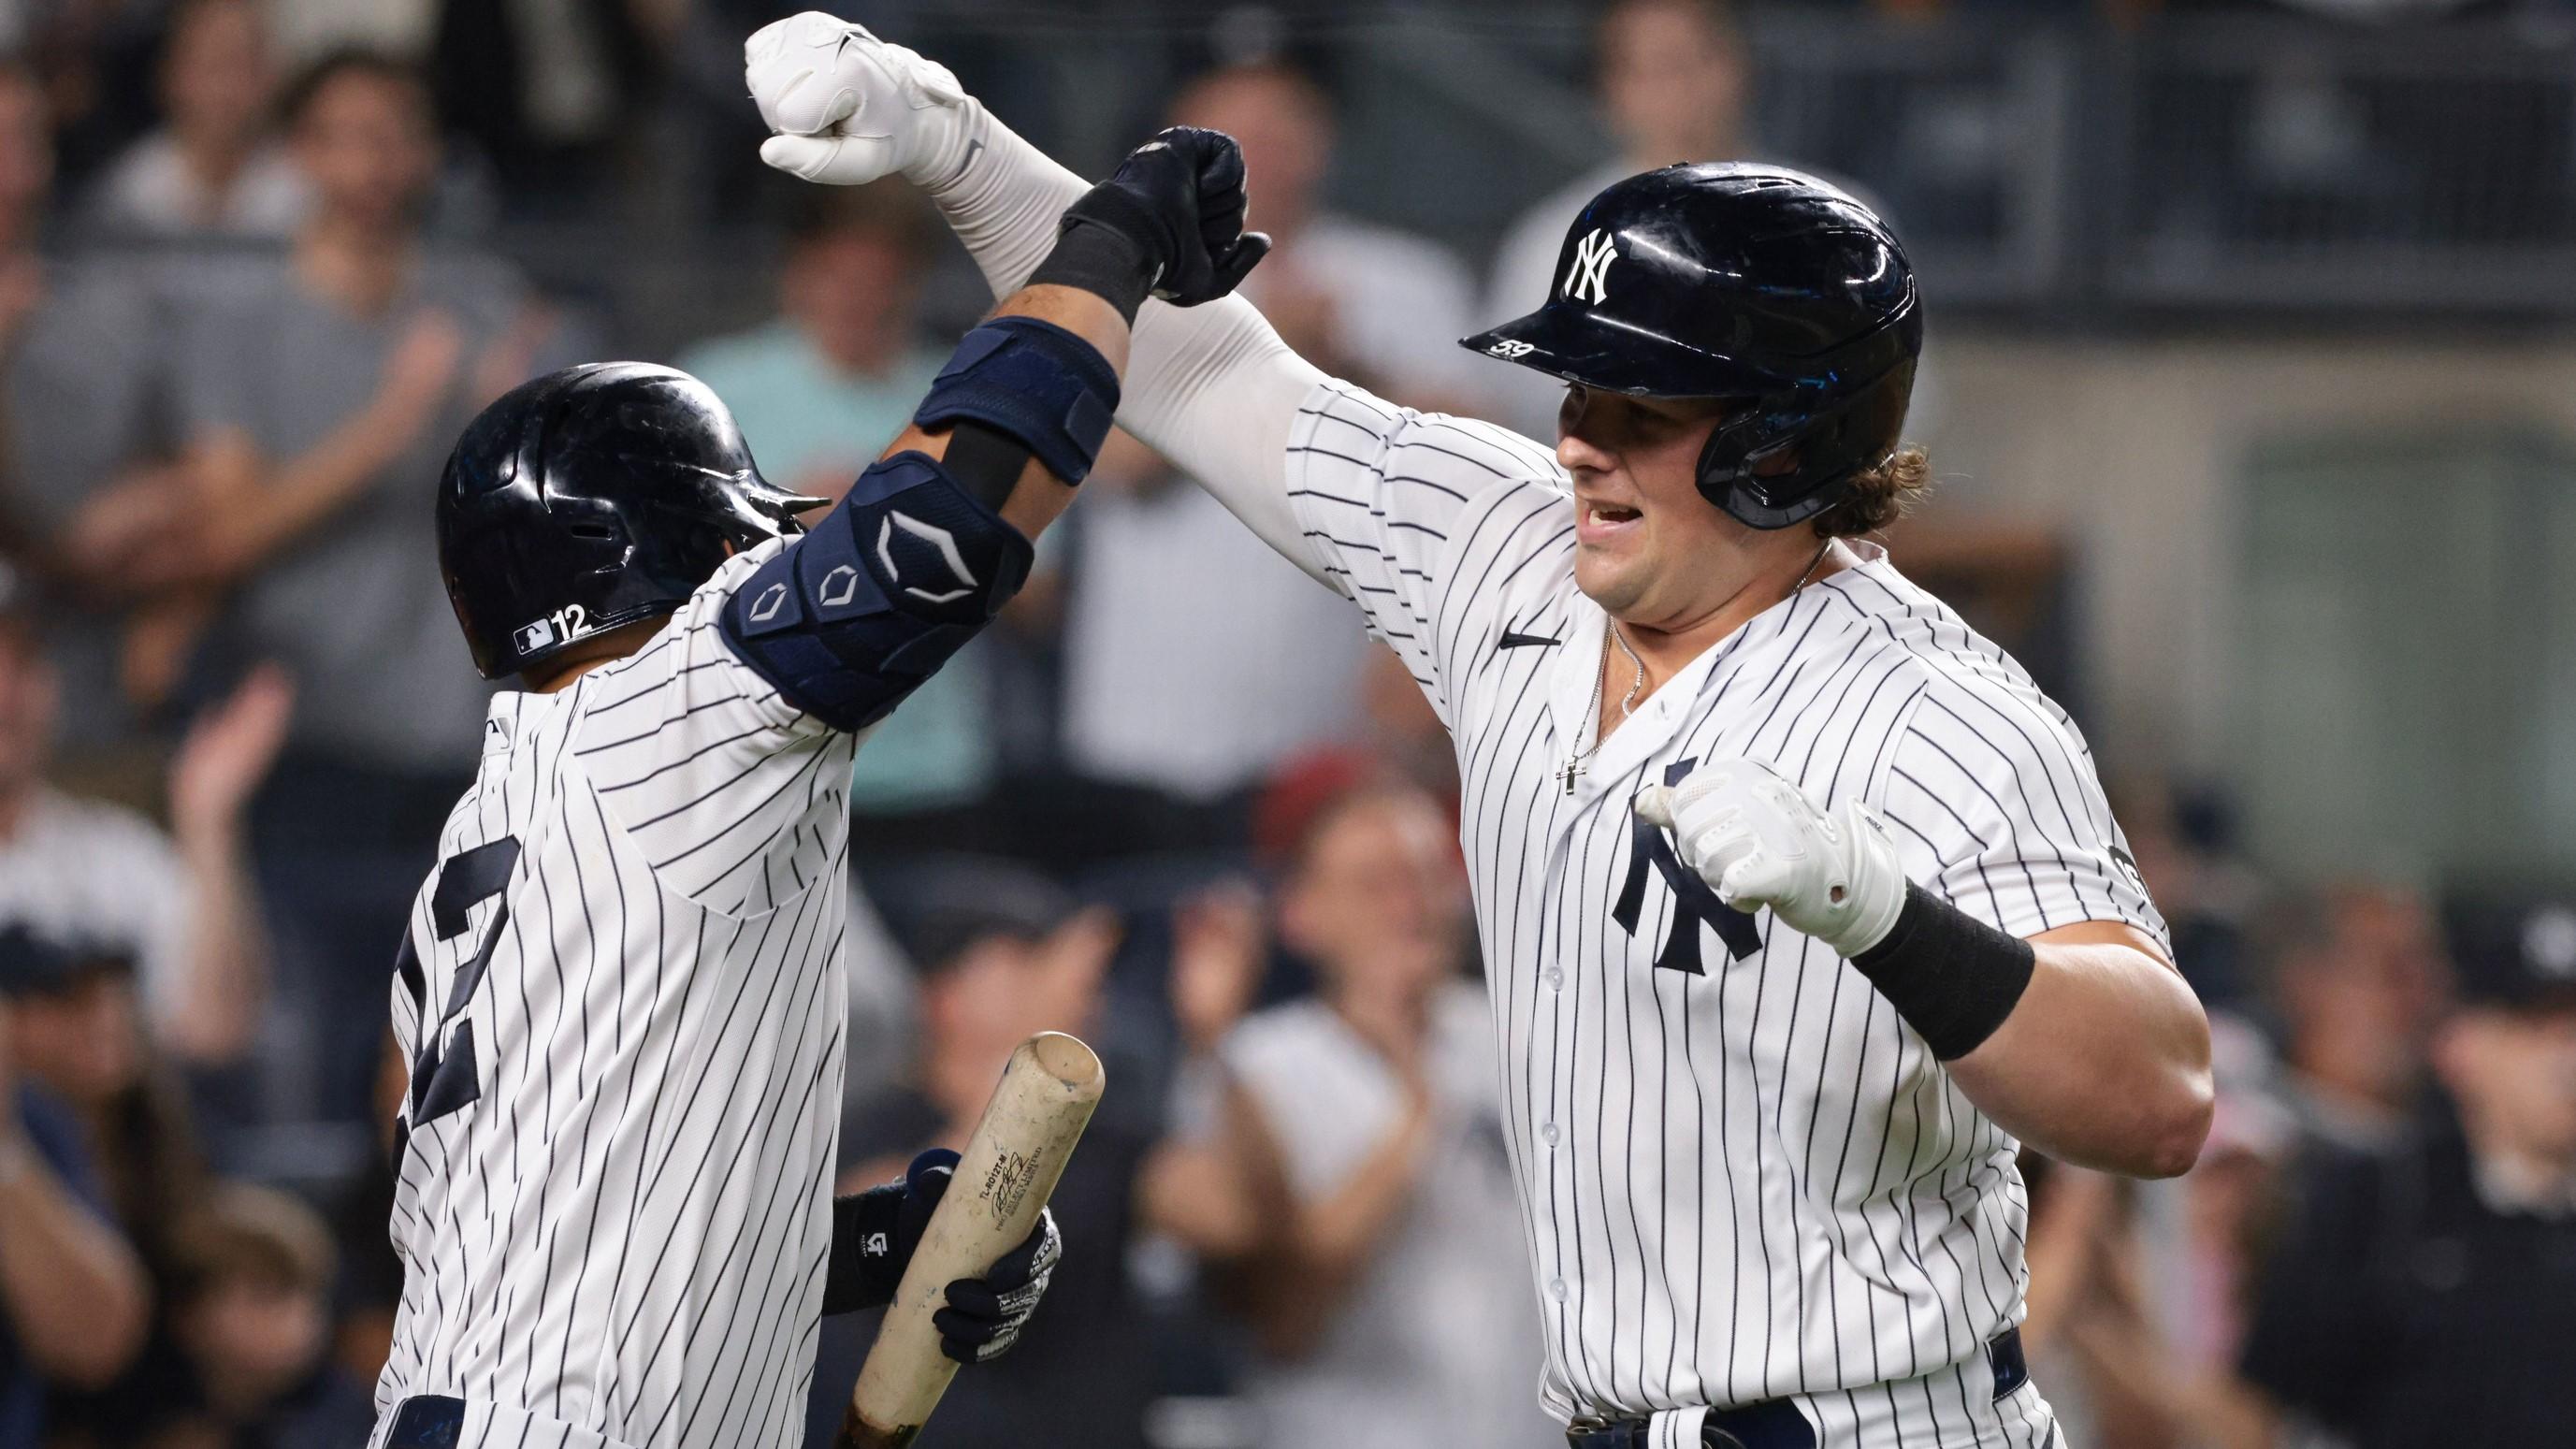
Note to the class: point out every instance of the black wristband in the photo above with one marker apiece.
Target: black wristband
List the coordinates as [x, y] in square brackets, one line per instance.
[1951, 976]
[863, 1269]
[1100, 259]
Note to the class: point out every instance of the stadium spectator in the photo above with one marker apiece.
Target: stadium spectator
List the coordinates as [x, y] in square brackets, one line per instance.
[1366, 302]
[1389, 1306]
[1157, 571]
[84, 870]
[323, 396]
[1004, 953]
[2360, 982]
[2426, 1292]
[1673, 78]
[249, 1310]
[80, 340]
[819, 391]
[74, 1303]
[81, 1037]
[213, 168]
[2179, 839]
[546, 90]
[2140, 1295]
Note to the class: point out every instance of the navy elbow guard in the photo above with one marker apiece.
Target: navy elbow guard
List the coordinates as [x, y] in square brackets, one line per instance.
[852, 617]
[1033, 381]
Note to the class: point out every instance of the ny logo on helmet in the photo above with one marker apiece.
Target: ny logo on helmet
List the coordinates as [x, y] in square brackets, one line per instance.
[1591, 270]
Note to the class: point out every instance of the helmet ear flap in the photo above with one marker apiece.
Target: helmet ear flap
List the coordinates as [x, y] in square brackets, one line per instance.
[1832, 442]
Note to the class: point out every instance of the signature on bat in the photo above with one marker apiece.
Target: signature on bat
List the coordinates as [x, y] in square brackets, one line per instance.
[1008, 1183]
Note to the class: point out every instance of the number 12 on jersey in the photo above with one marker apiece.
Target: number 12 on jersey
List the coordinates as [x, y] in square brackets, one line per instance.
[443, 1080]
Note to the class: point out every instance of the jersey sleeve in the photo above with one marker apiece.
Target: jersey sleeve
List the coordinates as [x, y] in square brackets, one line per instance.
[715, 775]
[1387, 499]
[1993, 801]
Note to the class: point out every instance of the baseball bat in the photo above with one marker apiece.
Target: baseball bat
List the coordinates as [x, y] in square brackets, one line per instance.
[1010, 1166]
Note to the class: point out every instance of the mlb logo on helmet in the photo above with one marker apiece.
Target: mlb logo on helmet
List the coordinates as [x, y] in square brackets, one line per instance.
[532, 637]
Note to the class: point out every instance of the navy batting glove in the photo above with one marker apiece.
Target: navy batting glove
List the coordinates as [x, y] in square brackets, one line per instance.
[984, 1315]
[874, 1233]
[1169, 221]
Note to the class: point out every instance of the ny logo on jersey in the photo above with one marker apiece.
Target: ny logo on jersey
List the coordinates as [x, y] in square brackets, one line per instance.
[1695, 905]
[1591, 270]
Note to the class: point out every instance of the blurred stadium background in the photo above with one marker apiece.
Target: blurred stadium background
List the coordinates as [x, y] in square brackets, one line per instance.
[2251, 387]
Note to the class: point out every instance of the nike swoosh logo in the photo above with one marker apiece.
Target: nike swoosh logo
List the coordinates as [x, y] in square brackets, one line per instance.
[1514, 640]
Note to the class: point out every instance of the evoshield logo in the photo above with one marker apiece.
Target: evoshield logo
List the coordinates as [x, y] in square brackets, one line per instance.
[1591, 270]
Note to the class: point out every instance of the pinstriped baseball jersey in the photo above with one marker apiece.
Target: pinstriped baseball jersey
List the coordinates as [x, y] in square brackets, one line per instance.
[1743, 1177]
[621, 994]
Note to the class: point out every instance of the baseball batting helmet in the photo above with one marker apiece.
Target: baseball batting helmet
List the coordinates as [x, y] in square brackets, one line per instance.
[590, 498]
[1765, 287]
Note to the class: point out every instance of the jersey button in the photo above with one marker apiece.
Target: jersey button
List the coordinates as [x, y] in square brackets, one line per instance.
[1548, 1134]
[1556, 1289]
[1555, 979]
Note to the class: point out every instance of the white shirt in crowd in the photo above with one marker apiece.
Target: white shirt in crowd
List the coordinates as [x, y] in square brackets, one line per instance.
[1196, 658]
[1400, 304]
[151, 192]
[91, 873]
[1438, 1340]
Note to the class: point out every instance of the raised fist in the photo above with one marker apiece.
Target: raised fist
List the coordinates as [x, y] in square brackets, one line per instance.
[848, 107]
[1179, 201]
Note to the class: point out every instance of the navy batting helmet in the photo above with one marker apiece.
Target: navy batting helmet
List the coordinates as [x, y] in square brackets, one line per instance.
[1761, 286]
[594, 497]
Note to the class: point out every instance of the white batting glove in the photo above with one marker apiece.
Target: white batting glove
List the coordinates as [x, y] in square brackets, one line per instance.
[1759, 840]
[847, 107]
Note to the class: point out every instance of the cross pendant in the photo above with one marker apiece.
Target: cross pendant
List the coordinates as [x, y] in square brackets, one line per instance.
[1573, 769]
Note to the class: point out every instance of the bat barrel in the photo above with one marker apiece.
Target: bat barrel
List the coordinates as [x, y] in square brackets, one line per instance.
[1002, 1181]
[1066, 1059]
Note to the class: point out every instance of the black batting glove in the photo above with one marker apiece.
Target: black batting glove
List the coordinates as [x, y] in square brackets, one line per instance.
[1168, 221]
[874, 1233]
[984, 1315]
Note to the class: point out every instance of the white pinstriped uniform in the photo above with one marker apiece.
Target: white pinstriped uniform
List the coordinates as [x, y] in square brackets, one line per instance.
[617, 1237]
[1754, 1182]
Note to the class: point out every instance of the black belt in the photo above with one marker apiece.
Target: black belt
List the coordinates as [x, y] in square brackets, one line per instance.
[1776, 1423]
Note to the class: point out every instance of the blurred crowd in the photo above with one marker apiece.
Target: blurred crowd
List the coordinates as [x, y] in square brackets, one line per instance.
[248, 296]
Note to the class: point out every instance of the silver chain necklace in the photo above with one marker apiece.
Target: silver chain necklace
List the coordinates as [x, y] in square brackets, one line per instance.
[1577, 766]
[1580, 764]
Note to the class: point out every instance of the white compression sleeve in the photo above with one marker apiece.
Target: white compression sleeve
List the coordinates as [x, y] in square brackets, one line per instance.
[1210, 387]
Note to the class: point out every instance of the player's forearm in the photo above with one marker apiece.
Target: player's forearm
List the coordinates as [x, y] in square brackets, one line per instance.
[73, 1290]
[2104, 1062]
[1212, 388]
[1038, 497]
[1002, 196]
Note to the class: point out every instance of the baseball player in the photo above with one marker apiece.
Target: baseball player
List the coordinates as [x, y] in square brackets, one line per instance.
[621, 989]
[1800, 904]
